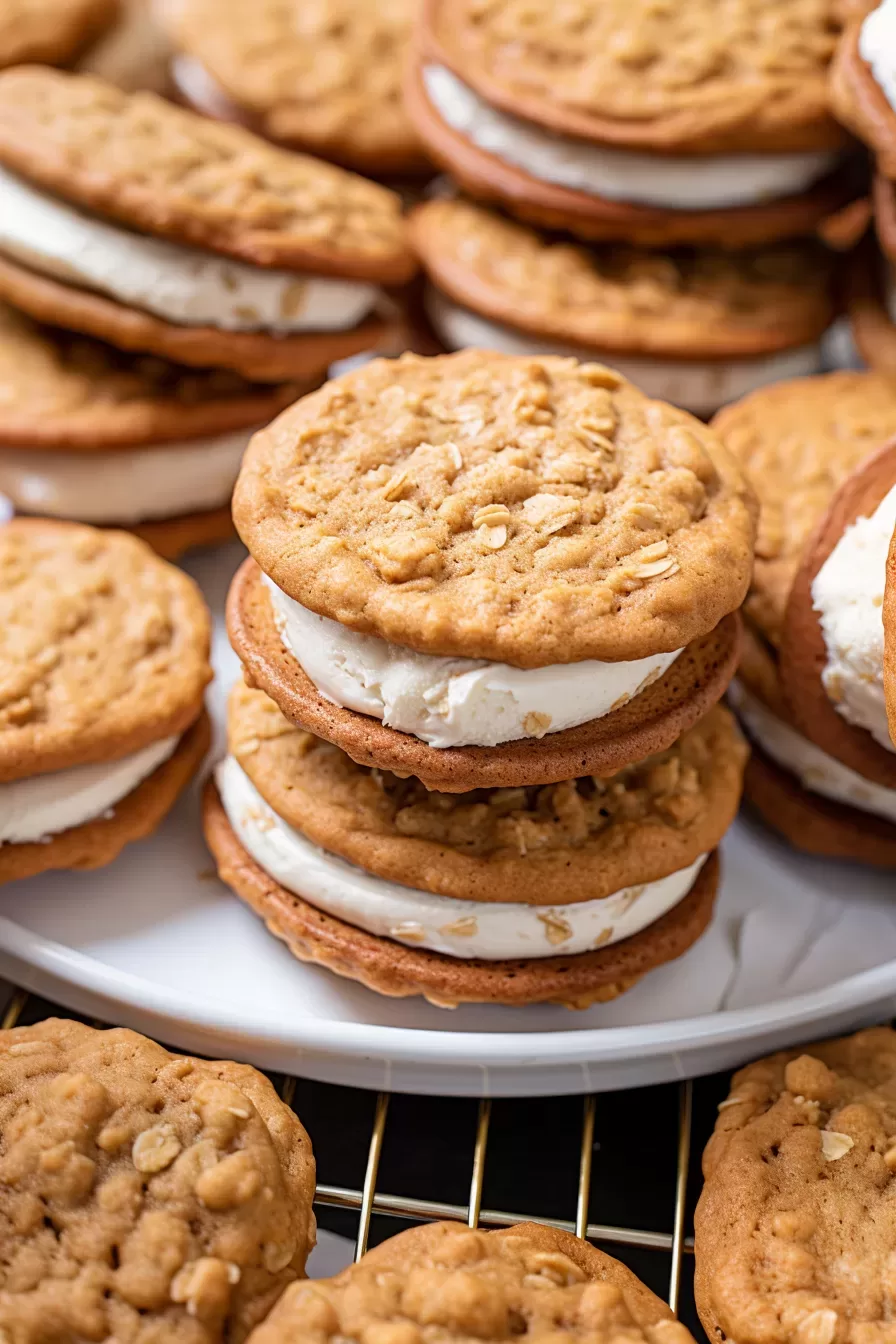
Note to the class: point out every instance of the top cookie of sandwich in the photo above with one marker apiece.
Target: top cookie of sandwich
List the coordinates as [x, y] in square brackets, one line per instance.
[324, 76]
[695, 78]
[51, 31]
[525, 510]
[162, 170]
[798, 441]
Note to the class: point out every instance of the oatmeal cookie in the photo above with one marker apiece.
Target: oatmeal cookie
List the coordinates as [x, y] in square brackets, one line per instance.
[143, 1195]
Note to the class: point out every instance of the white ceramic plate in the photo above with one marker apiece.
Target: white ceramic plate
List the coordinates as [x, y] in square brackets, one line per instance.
[797, 949]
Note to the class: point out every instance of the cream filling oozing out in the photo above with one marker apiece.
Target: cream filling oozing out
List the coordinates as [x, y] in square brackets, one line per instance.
[673, 182]
[698, 386]
[848, 594]
[181, 284]
[877, 44]
[815, 770]
[126, 485]
[37, 808]
[453, 702]
[490, 931]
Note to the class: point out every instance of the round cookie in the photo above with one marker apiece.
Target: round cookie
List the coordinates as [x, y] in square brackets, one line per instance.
[52, 32]
[143, 1194]
[448, 1277]
[324, 78]
[698, 327]
[797, 442]
[649, 722]
[400, 971]
[651, 819]
[792, 1226]
[529, 511]
[105, 646]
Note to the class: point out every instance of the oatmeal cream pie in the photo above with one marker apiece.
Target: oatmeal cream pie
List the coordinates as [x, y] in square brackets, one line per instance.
[143, 1195]
[697, 327]
[96, 435]
[528, 1282]
[654, 123]
[157, 230]
[565, 893]
[799, 443]
[794, 1228]
[485, 570]
[324, 77]
[104, 650]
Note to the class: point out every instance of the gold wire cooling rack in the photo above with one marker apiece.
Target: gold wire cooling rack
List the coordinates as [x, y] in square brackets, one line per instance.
[367, 1200]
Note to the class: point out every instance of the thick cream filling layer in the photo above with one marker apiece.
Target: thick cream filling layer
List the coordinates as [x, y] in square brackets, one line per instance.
[127, 485]
[467, 929]
[815, 770]
[38, 808]
[453, 702]
[673, 182]
[699, 386]
[183, 285]
[848, 594]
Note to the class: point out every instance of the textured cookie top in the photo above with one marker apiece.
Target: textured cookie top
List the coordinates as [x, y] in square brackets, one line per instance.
[51, 31]
[551, 844]
[797, 441]
[794, 1227]
[693, 303]
[693, 78]
[59, 390]
[163, 170]
[447, 1283]
[103, 647]
[324, 75]
[531, 511]
[143, 1196]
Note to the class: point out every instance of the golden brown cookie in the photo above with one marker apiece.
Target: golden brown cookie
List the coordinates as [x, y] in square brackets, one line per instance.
[95, 843]
[859, 102]
[259, 355]
[692, 304]
[162, 170]
[676, 79]
[104, 647]
[651, 819]
[322, 77]
[803, 654]
[143, 1195]
[528, 511]
[399, 971]
[889, 615]
[524, 1281]
[797, 442]
[52, 32]
[648, 723]
[173, 537]
[599, 219]
[793, 1228]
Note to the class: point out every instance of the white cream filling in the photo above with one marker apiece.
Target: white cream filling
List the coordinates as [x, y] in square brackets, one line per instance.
[877, 47]
[675, 182]
[815, 770]
[489, 931]
[453, 702]
[699, 386]
[181, 284]
[42, 806]
[201, 89]
[848, 594]
[127, 485]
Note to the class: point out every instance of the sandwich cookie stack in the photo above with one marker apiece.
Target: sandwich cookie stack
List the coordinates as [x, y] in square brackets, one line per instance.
[489, 611]
[324, 77]
[104, 649]
[699, 327]
[815, 677]
[651, 123]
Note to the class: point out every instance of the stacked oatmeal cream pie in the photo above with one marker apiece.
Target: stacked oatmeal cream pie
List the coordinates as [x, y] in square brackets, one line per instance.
[167, 284]
[489, 611]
